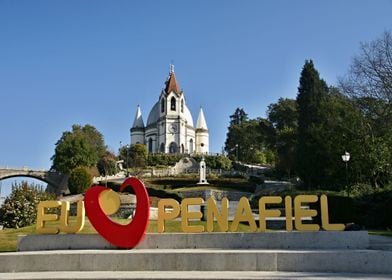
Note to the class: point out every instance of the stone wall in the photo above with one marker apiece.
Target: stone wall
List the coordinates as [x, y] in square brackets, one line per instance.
[216, 194]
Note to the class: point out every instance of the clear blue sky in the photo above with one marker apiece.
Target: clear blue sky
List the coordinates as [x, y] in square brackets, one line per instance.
[92, 62]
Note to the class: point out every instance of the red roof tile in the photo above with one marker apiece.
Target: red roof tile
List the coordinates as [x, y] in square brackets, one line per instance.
[172, 85]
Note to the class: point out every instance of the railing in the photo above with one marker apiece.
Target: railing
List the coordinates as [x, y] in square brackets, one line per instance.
[24, 168]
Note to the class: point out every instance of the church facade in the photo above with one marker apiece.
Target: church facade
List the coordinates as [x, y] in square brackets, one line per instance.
[170, 127]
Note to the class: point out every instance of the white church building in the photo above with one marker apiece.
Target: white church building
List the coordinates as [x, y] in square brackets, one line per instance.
[170, 127]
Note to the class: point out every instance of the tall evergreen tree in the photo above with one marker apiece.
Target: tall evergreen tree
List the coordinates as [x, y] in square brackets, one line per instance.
[310, 156]
[238, 117]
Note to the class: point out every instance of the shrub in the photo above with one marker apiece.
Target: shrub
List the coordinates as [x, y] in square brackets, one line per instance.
[341, 209]
[20, 208]
[216, 162]
[163, 159]
[79, 180]
[361, 189]
[374, 210]
[107, 164]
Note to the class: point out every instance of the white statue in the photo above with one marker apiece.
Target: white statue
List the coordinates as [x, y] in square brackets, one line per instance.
[203, 173]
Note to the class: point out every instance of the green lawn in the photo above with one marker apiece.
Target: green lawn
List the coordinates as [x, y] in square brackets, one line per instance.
[381, 232]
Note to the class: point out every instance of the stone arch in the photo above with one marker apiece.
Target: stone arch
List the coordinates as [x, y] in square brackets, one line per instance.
[57, 182]
[44, 180]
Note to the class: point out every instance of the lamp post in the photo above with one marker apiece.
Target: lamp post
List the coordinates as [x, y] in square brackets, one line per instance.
[346, 158]
[236, 152]
[127, 147]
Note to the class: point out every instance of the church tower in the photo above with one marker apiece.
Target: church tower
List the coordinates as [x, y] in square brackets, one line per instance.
[202, 135]
[137, 129]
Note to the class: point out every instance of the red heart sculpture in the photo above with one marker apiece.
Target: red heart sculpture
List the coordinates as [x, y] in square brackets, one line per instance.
[124, 236]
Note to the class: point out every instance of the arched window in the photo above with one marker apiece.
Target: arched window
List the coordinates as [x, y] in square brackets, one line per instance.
[173, 148]
[182, 149]
[162, 105]
[150, 145]
[191, 146]
[162, 148]
[182, 105]
[173, 104]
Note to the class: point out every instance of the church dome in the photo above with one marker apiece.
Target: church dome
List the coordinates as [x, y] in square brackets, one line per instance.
[188, 116]
[153, 117]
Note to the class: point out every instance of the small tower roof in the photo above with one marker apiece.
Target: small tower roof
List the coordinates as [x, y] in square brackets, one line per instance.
[201, 121]
[171, 83]
[138, 122]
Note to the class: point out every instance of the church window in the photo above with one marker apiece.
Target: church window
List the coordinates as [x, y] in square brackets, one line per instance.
[173, 148]
[173, 104]
[162, 105]
[182, 105]
[191, 146]
[150, 145]
[182, 148]
[162, 148]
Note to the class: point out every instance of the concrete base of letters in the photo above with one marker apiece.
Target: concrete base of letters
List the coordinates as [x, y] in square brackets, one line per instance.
[266, 240]
[305, 252]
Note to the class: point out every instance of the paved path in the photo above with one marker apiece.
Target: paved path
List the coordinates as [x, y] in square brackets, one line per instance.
[191, 275]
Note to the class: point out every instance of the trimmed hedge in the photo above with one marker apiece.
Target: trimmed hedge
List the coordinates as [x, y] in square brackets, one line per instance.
[375, 210]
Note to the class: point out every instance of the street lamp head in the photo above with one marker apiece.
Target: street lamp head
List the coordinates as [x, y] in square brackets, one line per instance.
[346, 157]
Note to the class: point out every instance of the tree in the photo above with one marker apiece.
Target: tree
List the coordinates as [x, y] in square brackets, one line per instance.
[83, 146]
[370, 74]
[238, 117]
[20, 208]
[247, 138]
[234, 140]
[138, 155]
[93, 136]
[134, 155]
[79, 180]
[283, 115]
[338, 132]
[242, 136]
[107, 164]
[310, 153]
[369, 83]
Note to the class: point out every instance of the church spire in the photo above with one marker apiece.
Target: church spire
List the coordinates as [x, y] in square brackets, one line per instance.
[201, 121]
[171, 83]
[138, 122]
